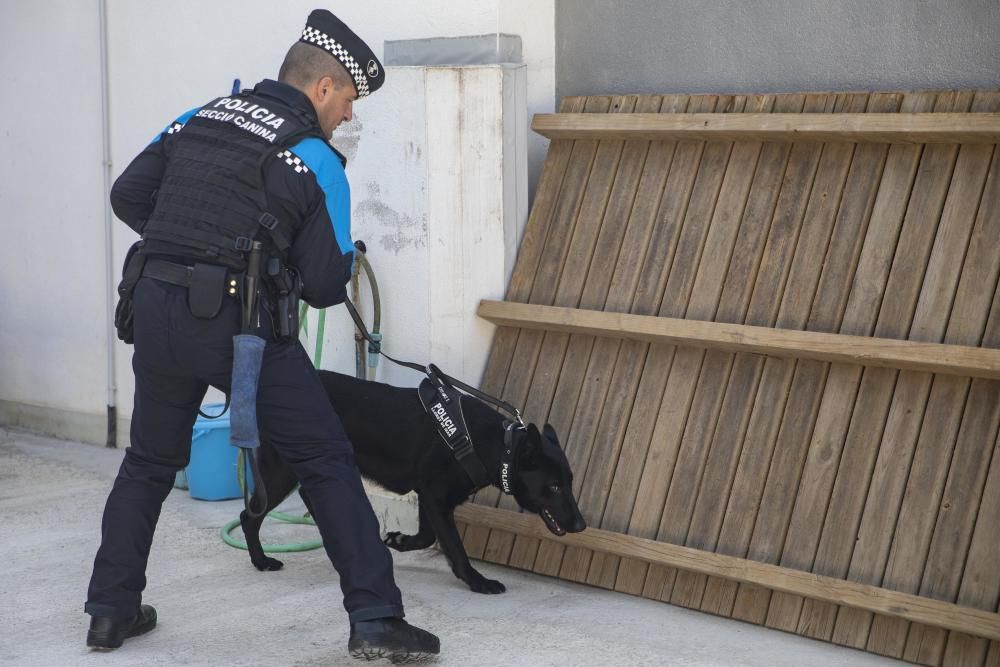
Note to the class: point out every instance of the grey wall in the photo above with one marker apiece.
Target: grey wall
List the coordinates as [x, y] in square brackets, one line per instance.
[659, 46]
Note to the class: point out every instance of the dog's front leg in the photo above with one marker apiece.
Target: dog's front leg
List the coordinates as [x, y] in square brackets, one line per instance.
[442, 521]
[423, 539]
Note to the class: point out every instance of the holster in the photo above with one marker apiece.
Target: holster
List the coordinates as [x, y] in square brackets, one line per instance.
[124, 310]
[286, 287]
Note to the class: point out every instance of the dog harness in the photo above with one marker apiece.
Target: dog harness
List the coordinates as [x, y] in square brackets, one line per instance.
[441, 396]
[443, 402]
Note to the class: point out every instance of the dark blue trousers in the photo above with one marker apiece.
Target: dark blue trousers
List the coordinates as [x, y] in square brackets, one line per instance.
[177, 357]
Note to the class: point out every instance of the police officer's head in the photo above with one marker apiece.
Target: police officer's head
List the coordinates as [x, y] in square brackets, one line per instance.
[333, 67]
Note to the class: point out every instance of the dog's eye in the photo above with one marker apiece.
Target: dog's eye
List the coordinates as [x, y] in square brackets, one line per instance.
[554, 488]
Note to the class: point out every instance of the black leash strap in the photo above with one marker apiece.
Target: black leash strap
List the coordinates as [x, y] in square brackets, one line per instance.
[431, 371]
[224, 408]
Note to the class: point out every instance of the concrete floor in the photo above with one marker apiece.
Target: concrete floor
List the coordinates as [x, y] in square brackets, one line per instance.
[214, 609]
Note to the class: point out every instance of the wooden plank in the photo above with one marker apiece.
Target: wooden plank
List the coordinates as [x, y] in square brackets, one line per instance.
[788, 307]
[902, 605]
[646, 250]
[620, 488]
[908, 128]
[980, 269]
[823, 460]
[770, 281]
[993, 657]
[809, 377]
[900, 430]
[931, 451]
[961, 360]
[960, 502]
[657, 263]
[543, 258]
[533, 384]
[773, 519]
[691, 243]
[641, 292]
[606, 257]
[980, 586]
[528, 257]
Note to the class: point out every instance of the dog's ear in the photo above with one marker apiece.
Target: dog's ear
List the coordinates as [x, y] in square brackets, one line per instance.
[531, 446]
[550, 435]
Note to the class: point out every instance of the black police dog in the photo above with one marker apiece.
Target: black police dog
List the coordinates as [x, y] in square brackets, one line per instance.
[396, 445]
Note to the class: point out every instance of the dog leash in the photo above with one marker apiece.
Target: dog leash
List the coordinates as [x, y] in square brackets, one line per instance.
[431, 371]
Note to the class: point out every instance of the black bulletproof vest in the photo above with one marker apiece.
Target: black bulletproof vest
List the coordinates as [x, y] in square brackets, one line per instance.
[211, 204]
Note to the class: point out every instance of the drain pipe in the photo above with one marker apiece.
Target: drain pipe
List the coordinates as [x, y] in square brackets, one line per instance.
[109, 286]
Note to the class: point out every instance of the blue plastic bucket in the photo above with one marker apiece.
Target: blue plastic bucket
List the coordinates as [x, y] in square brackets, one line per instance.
[212, 471]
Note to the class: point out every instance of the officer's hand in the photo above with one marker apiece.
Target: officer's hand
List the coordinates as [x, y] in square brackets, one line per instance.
[361, 247]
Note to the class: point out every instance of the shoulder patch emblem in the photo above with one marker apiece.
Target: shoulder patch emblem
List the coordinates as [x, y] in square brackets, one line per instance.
[294, 161]
[174, 127]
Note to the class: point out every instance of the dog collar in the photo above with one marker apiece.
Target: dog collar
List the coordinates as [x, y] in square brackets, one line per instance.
[508, 456]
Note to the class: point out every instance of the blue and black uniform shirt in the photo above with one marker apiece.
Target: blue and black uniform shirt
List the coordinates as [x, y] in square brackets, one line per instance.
[305, 185]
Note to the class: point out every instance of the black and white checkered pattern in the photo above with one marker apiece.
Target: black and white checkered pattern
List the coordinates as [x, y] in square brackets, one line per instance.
[324, 41]
[294, 161]
[174, 127]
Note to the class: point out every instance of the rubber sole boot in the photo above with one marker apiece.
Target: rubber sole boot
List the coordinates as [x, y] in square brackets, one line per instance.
[393, 639]
[106, 633]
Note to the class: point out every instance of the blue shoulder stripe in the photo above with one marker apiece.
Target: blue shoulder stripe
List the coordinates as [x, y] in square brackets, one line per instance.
[177, 124]
[329, 172]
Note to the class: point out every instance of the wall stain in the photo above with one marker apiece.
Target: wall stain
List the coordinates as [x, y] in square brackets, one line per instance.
[401, 230]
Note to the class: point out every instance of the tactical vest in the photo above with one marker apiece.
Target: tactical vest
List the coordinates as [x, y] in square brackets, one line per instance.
[211, 203]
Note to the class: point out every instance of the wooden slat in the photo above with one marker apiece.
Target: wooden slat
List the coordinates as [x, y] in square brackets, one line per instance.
[540, 222]
[908, 128]
[564, 289]
[718, 248]
[646, 249]
[959, 360]
[537, 285]
[682, 437]
[840, 459]
[908, 402]
[814, 446]
[900, 605]
[793, 428]
[640, 288]
[928, 443]
[592, 287]
[980, 586]
[828, 189]
[691, 243]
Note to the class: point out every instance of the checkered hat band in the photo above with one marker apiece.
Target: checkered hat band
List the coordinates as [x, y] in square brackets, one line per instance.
[324, 41]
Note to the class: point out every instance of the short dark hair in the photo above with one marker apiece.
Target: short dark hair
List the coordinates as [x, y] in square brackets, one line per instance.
[305, 64]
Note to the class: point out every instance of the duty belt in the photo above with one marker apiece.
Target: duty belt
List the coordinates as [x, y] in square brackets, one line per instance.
[179, 274]
[207, 283]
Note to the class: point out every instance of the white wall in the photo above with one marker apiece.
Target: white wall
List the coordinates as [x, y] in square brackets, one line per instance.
[52, 268]
[164, 59]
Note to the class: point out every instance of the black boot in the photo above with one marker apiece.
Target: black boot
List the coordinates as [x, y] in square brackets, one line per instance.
[391, 638]
[107, 633]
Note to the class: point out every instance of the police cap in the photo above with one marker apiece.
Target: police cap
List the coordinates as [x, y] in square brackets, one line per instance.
[326, 31]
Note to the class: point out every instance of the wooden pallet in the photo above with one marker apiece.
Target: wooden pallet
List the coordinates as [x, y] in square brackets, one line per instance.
[766, 329]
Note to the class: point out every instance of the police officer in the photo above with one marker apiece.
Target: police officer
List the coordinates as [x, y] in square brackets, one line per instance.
[253, 166]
